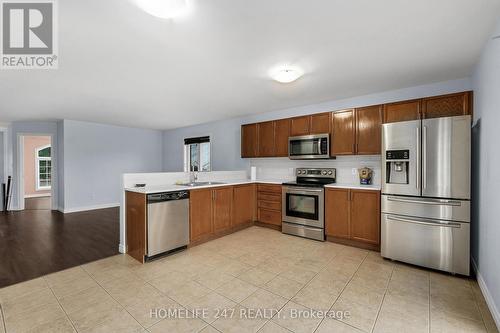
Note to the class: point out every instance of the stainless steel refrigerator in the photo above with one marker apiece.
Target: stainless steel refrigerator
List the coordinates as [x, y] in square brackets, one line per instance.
[426, 193]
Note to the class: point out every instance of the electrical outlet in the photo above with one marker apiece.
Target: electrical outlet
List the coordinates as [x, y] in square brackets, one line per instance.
[354, 171]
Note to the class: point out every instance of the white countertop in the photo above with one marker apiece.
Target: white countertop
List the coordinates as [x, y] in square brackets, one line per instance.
[354, 186]
[173, 187]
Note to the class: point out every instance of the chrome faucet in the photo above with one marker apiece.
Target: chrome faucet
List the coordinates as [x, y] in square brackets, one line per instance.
[193, 177]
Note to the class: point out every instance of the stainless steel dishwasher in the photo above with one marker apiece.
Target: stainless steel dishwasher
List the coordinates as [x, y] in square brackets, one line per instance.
[168, 222]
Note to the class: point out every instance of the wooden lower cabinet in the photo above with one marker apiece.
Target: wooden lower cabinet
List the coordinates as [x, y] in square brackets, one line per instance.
[135, 216]
[337, 213]
[269, 204]
[216, 211]
[365, 216]
[353, 215]
[222, 208]
[200, 214]
[243, 204]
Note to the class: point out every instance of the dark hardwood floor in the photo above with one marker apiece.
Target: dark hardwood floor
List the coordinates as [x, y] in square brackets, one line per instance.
[38, 242]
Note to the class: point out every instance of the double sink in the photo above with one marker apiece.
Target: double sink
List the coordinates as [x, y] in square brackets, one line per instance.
[195, 184]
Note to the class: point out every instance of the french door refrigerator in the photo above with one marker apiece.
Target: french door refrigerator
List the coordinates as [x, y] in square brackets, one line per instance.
[426, 193]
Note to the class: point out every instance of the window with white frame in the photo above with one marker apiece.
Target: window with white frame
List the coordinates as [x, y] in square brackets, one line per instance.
[197, 154]
[43, 168]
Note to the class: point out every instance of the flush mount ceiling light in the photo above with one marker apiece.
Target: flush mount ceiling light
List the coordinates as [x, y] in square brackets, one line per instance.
[286, 74]
[164, 9]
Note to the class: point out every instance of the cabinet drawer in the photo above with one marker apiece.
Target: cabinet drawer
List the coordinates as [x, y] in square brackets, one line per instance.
[269, 216]
[269, 188]
[274, 205]
[269, 197]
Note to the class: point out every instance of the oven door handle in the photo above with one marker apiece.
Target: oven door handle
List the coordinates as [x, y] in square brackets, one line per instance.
[302, 189]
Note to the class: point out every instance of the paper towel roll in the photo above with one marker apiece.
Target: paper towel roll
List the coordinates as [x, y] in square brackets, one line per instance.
[253, 173]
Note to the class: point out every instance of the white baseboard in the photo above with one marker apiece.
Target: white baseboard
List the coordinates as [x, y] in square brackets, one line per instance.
[37, 195]
[121, 248]
[487, 296]
[85, 208]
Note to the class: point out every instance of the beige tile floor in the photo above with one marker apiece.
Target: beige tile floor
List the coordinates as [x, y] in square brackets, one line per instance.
[254, 280]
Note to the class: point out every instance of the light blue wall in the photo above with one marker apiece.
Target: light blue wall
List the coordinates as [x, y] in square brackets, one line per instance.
[486, 163]
[38, 127]
[96, 156]
[225, 134]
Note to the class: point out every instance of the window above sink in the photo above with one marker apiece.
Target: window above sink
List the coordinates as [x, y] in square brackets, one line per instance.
[197, 155]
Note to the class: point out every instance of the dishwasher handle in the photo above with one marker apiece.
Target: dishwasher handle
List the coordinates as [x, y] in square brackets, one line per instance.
[167, 196]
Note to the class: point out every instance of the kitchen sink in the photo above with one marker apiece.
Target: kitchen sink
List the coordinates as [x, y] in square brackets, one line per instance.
[194, 184]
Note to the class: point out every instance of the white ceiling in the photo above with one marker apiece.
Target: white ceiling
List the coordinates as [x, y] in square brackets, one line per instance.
[122, 66]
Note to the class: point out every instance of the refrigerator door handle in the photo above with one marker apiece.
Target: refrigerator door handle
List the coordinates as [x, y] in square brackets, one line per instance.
[424, 156]
[424, 222]
[427, 202]
[418, 158]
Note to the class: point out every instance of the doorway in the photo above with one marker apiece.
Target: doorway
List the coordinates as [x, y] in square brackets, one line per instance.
[37, 172]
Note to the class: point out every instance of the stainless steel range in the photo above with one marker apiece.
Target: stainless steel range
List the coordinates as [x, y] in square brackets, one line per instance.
[303, 207]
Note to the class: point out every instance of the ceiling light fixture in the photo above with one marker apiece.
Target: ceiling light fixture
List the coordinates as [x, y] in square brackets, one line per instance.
[164, 9]
[287, 74]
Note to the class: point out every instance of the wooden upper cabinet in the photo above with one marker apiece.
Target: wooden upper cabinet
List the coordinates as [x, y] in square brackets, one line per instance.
[369, 130]
[266, 139]
[200, 214]
[343, 133]
[337, 213]
[365, 216]
[281, 134]
[300, 126]
[320, 123]
[222, 208]
[249, 140]
[447, 105]
[402, 111]
[244, 205]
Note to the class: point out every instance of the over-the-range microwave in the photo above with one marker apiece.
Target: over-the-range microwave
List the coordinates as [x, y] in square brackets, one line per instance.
[316, 146]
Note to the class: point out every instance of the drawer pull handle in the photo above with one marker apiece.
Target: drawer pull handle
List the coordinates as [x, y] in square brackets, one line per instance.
[433, 224]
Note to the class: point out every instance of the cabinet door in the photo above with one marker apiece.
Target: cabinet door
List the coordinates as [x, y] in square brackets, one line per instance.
[365, 216]
[265, 134]
[343, 133]
[402, 111]
[135, 215]
[369, 130]
[249, 140]
[337, 213]
[300, 126]
[281, 134]
[447, 105]
[320, 123]
[200, 213]
[243, 204]
[222, 207]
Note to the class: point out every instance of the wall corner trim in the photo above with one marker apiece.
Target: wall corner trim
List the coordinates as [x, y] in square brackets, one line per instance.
[486, 293]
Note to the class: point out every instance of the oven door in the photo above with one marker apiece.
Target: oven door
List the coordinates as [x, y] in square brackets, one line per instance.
[302, 205]
[309, 146]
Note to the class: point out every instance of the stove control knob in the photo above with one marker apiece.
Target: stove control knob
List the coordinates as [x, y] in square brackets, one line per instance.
[323, 172]
[299, 172]
[330, 172]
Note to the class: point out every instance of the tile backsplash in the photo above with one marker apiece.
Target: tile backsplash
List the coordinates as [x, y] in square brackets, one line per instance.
[284, 168]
